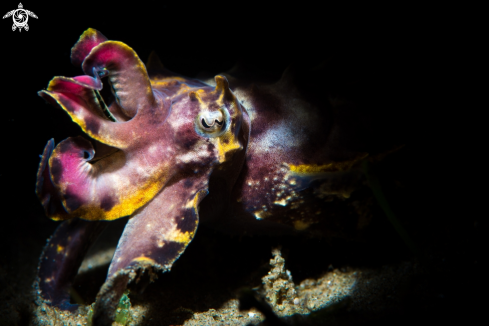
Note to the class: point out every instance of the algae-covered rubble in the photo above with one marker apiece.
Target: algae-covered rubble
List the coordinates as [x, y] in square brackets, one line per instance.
[287, 298]
[295, 303]
[204, 286]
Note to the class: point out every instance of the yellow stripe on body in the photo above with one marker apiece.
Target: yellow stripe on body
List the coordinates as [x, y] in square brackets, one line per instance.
[330, 167]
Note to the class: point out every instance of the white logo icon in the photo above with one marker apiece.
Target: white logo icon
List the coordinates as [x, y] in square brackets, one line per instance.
[20, 17]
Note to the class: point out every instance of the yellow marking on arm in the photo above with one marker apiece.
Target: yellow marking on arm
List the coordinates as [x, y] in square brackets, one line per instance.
[197, 199]
[60, 249]
[87, 34]
[143, 259]
[126, 205]
[177, 236]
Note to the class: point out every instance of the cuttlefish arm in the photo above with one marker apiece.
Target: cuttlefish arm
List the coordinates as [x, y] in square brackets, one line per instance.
[152, 240]
[158, 233]
[141, 162]
[62, 257]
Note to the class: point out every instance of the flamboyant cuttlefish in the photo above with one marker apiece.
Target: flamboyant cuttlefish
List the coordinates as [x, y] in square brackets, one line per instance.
[170, 151]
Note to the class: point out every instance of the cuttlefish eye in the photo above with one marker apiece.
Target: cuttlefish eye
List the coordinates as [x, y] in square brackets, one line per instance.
[212, 123]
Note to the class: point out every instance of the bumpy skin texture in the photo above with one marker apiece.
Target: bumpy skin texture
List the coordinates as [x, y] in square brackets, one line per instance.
[269, 159]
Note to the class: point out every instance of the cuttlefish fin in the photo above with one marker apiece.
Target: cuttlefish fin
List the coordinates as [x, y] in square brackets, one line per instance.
[153, 239]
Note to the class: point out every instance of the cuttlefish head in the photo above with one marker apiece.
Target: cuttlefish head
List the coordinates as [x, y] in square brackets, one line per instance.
[150, 154]
[151, 135]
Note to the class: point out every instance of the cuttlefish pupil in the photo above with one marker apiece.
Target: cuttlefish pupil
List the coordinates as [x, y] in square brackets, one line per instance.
[210, 124]
[212, 121]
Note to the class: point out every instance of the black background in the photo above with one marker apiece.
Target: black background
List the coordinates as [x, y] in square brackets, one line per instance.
[191, 38]
[410, 54]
